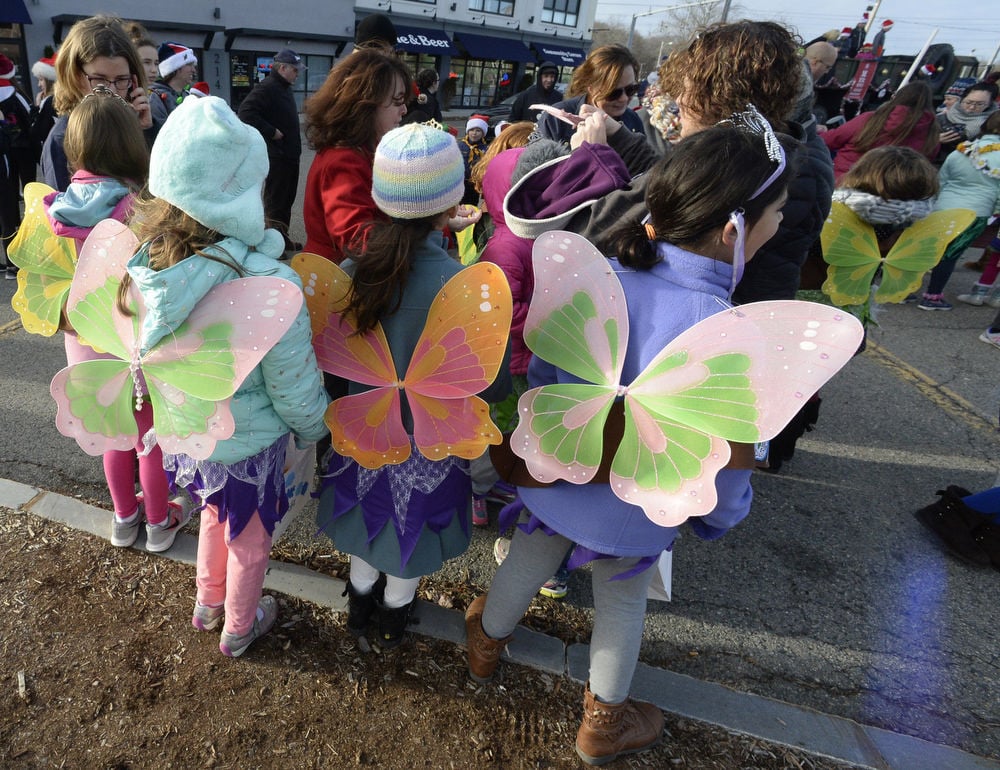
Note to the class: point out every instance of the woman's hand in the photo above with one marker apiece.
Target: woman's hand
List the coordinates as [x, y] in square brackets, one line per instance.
[594, 128]
[140, 103]
[949, 137]
[465, 216]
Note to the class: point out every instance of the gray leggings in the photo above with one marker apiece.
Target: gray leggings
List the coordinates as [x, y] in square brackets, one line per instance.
[619, 606]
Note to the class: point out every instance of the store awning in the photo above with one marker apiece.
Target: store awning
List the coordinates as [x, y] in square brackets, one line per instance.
[14, 12]
[563, 55]
[420, 40]
[494, 48]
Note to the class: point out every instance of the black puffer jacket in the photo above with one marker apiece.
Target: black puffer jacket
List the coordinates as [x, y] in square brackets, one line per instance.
[774, 272]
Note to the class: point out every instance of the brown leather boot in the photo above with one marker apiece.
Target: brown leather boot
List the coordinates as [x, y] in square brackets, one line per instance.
[609, 730]
[484, 651]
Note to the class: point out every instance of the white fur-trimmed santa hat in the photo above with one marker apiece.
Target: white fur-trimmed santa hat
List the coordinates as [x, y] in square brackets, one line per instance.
[45, 68]
[173, 56]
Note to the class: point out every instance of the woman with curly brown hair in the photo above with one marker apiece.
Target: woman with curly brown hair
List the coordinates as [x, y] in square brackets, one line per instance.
[726, 66]
[906, 120]
[606, 81]
[363, 98]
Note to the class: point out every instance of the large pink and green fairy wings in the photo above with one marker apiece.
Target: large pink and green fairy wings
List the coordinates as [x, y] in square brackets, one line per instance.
[739, 375]
[189, 376]
[851, 250]
[457, 355]
[47, 262]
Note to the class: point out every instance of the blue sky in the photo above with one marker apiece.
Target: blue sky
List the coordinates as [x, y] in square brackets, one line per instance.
[971, 26]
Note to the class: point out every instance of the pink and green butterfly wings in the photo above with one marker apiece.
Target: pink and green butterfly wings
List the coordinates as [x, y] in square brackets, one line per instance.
[47, 263]
[851, 250]
[189, 375]
[739, 375]
[457, 355]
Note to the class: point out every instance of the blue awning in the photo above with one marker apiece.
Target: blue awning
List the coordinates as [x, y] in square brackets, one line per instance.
[419, 40]
[14, 12]
[494, 48]
[563, 55]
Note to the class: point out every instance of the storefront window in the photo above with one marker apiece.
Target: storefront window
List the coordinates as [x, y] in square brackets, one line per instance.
[248, 69]
[564, 12]
[478, 82]
[421, 61]
[501, 7]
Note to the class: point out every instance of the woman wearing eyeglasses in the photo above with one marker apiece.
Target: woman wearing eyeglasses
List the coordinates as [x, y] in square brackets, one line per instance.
[97, 52]
[607, 81]
[964, 119]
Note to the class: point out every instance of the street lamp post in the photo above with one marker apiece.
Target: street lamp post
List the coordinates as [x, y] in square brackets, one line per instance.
[631, 31]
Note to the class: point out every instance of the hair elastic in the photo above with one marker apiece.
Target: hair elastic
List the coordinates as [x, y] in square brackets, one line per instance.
[650, 232]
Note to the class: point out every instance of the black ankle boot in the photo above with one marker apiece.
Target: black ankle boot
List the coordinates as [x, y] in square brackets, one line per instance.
[955, 524]
[392, 624]
[987, 537]
[361, 607]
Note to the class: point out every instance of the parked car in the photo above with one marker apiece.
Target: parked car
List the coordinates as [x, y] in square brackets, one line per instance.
[497, 113]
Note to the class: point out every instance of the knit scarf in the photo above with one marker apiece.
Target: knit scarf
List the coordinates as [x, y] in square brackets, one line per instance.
[879, 211]
[971, 121]
[985, 149]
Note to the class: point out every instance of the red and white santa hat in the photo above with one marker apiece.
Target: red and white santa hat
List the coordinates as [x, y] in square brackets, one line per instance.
[173, 56]
[7, 67]
[928, 70]
[200, 88]
[887, 25]
[846, 32]
[45, 68]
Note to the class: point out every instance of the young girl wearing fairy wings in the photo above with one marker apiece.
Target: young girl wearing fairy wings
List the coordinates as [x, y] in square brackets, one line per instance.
[404, 518]
[712, 203]
[204, 229]
[109, 159]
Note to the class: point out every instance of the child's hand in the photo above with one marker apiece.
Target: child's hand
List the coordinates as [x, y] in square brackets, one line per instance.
[140, 103]
[465, 216]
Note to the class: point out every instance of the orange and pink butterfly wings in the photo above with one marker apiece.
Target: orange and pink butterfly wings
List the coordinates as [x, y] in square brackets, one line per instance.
[457, 356]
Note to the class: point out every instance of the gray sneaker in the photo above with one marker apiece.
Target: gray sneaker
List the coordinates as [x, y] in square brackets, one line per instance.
[233, 646]
[159, 537]
[206, 618]
[123, 534]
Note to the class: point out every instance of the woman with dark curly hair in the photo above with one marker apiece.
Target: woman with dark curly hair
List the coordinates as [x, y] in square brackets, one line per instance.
[607, 81]
[363, 98]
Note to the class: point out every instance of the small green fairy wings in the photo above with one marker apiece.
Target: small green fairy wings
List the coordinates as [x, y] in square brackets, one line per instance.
[47, 263]
[851, 250]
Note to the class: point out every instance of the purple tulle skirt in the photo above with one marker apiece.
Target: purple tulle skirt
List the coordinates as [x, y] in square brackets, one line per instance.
[238, 490]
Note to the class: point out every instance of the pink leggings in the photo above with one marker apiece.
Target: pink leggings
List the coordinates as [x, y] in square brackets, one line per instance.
[119, 470]
[231, 572]
[119, 467]
[992, 268]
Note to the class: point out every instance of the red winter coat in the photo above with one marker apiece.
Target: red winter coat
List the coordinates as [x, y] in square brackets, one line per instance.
[338, 205]
[841, 140]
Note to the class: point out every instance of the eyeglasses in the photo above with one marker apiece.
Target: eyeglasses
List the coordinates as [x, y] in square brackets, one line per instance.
[123, 83]
[630, 90]
[967, 103]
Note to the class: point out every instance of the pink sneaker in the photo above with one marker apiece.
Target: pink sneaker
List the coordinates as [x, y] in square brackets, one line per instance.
[480, 513]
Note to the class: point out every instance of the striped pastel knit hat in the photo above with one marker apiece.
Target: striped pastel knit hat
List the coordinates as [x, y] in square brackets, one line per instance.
[418, 172]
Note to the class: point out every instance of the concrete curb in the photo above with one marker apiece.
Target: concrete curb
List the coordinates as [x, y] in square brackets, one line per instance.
[775, 721]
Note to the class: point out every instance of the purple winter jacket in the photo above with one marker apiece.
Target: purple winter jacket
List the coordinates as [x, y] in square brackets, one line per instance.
[510, 253]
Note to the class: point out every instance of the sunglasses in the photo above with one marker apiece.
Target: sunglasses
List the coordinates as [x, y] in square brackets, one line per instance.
[630, 90]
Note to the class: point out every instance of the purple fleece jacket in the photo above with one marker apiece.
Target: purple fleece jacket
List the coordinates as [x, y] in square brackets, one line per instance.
[510, 253]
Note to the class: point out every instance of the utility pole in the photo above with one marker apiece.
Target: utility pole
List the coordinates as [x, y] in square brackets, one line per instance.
[631, 31]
